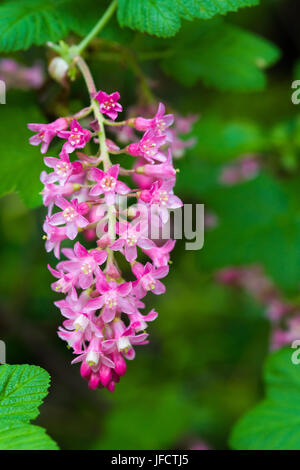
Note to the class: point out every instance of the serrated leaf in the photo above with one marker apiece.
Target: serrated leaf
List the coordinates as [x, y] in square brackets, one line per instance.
[20, 163]
[154, 17]
[221, 55]
[163, 17]
[20, 436]
[275, 423]
[30, 22]
[22, 389]
[206, 9]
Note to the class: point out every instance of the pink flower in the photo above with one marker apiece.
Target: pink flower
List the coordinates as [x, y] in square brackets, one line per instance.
[160, 255]
[161, 197]
[148, 147]
[242, 170]
[123, 340]
[147, 279]
[46, 132]
[77, 137]
[65, 283]
[109, 104]
[130, 237]
[78, 321]
[114, 297]
[63, 168]
[162, 171]
[71, 215]
[52, 191]
[83, 263]
[108, 184]
[286, 337]
[159, 123]
[97, 367]
[139, 322]
[55, 235]
[16, 75]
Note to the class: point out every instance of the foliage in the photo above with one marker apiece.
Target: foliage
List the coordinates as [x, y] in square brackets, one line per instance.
[22, 389]
[274, 423]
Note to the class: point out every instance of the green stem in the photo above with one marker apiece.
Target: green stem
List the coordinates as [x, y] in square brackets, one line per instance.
[98, 26]
[103, 150]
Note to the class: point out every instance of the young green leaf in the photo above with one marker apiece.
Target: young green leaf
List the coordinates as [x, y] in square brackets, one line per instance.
[275, 423]
[22, 390]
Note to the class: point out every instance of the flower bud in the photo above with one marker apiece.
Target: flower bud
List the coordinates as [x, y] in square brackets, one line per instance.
[58, 68]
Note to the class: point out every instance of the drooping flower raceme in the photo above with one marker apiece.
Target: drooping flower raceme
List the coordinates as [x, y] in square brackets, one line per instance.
[89, 203]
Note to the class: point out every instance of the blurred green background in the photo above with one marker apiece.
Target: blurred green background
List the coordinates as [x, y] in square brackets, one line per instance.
[203, 367]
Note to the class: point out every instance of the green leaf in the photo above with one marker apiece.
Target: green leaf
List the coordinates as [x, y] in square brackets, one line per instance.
[205, 9]
[275, 423]
[21, 163]
[151, 16]
[19, 436]
[22, 389]
[163, 17]
[30, 22]
[234, 60]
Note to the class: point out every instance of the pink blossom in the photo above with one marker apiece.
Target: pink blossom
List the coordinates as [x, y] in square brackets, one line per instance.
[54, 237]
[159, 123]
[109, 104]
[63, 168]
[131, 236]
[241, 170]
[148, 147]
[161, 197]
[108, 184]
[99, 365]
[113, 297]
[124, 339]
[71, 215]
[65, 283]
[160, 255]
[77, 137]
[285, 337]
[139, 322]
[83, 263]
[52, 191]
[16, 75]
[78, 321]
[46, 132]
[147, 279]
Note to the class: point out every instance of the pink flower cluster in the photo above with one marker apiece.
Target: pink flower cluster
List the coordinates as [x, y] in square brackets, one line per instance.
[19, 76]
[243, 169]
[103, 320]
[284, 316]
[173, 135]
